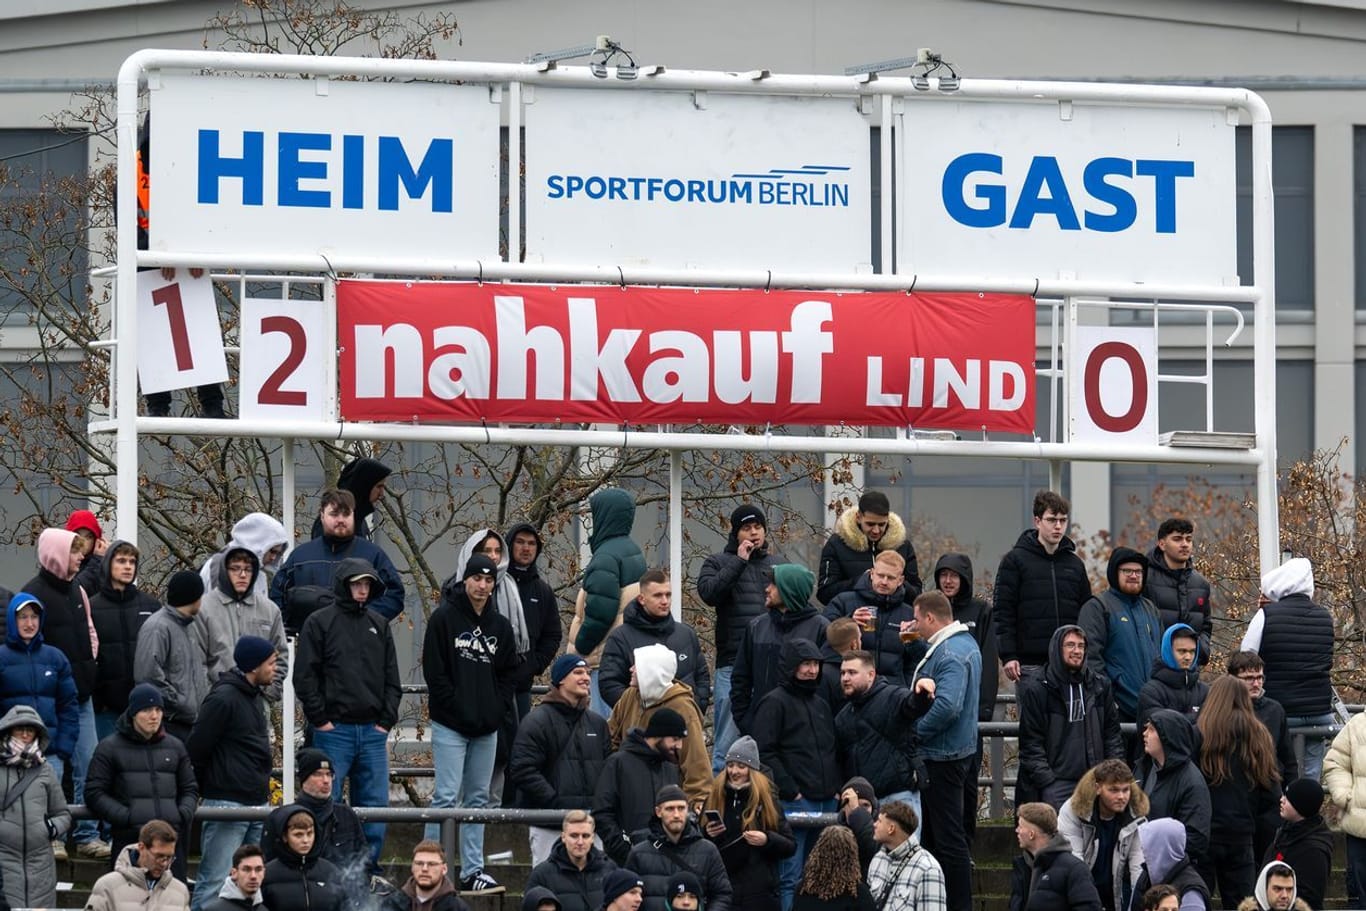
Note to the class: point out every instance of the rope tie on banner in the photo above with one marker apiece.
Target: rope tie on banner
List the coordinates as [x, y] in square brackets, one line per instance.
[331, 272]
[911, 290]
[1035, 293]
[622, 277]
[480, 278]
[768, 286]
[488, 439]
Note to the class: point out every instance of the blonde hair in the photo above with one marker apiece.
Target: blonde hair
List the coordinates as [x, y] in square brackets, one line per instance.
[761, 810]
[895, 559]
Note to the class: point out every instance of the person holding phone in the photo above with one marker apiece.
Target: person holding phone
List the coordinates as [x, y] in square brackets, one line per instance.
[745, 820]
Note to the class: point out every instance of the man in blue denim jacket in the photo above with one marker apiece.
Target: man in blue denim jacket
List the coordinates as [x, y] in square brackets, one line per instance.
[948, 738]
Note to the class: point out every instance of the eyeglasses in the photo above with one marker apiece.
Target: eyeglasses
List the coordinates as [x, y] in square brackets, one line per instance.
[239, 570]
[1131, 572]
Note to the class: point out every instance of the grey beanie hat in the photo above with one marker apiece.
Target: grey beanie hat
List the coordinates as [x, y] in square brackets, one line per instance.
[746, 752]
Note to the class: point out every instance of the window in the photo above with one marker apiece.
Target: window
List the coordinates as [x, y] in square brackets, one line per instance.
[1292, 152]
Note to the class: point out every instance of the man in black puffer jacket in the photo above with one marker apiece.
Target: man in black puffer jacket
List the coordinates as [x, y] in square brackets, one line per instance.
[540, 607]
[1175, 682]
[118, 609]
[139, 774]
[734, 582]
[1180, 593]
[882, 590]
[793, 727]
[1170, 773]
[1047, 876]
[1068, 722]
[625, 796]
[648, 620]
[672, 843]
[575, 869]
[1040, 585]
[861, 534]
[298, 876]
[560, 750]
[874, 734]
[339, 834]
[230, 748]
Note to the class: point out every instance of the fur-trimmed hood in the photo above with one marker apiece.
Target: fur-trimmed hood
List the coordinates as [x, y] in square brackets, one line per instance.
[1083, 798]
[847, 528]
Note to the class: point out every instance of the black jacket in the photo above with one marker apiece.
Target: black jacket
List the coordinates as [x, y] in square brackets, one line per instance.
[1177, 790]
[558, 755]
[1237, 803]
[1037, 592]
[639, 629]
[848, 554]
[1057, 880]
[737, 589]
[346, 669]
[1171, 688]
[541, 609]
[1068, 720]
[895, 660]
[133, 781]
[577, 890]
[469, 661]
[794, 728]
[339, 836]
[977, 615]
[305, 882]
[757, 664]
[1307, 846]
[230, 742]
[1297, 648]
[624, 800]
[876, 739]
[831, 690]
[221, 903]
[1181, 596]
[753, 871]
[117, 615]
[65, 627]
[655, 859]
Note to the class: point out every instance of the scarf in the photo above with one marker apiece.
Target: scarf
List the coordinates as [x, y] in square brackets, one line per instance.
[506, 598]
[21, 755]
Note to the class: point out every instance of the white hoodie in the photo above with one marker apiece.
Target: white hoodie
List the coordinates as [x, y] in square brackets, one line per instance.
[656, 666]
[1293, 577]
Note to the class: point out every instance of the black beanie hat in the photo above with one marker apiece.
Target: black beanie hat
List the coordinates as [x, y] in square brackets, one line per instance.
[618, 883]
[309, 760]
[184, 588]
[746, 512]
[479, 565]
[666, 723]
[1306, 796]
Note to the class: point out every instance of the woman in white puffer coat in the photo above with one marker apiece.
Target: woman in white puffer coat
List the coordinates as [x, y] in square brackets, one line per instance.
[1344, 778]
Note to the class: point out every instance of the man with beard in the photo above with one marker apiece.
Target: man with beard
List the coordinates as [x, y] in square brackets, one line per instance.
[1068, 722]
[428, 888]
[735, 582]
[1101, 822]
[672, 844]
[1123, 630]
[654, 690]
[794, 728]
[560, 750]
[625, 796]
[540, 608]
[874, 734]
[1179, 592]
[304, 584]
[366, 480]
[789, 615]
[860, 535]
[340, 836]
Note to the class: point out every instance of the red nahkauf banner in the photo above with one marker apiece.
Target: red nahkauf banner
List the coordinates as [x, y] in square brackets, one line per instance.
[459, 352]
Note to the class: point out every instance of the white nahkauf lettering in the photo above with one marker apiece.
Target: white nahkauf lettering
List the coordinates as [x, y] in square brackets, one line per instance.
[687, 367]
[945, 379]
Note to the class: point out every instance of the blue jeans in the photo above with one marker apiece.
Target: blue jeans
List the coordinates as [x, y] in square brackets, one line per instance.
[217, 842]
[909, 797]
[595, 700]
[464, 768]
[724, 731]
[1314, 747]
[790, 868]
[360, 752]
[87, 829]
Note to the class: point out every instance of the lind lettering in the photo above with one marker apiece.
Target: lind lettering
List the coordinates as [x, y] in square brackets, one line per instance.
[325, 171]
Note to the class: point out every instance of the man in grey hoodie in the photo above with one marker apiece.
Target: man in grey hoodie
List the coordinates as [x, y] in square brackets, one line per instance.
[1165, 863]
